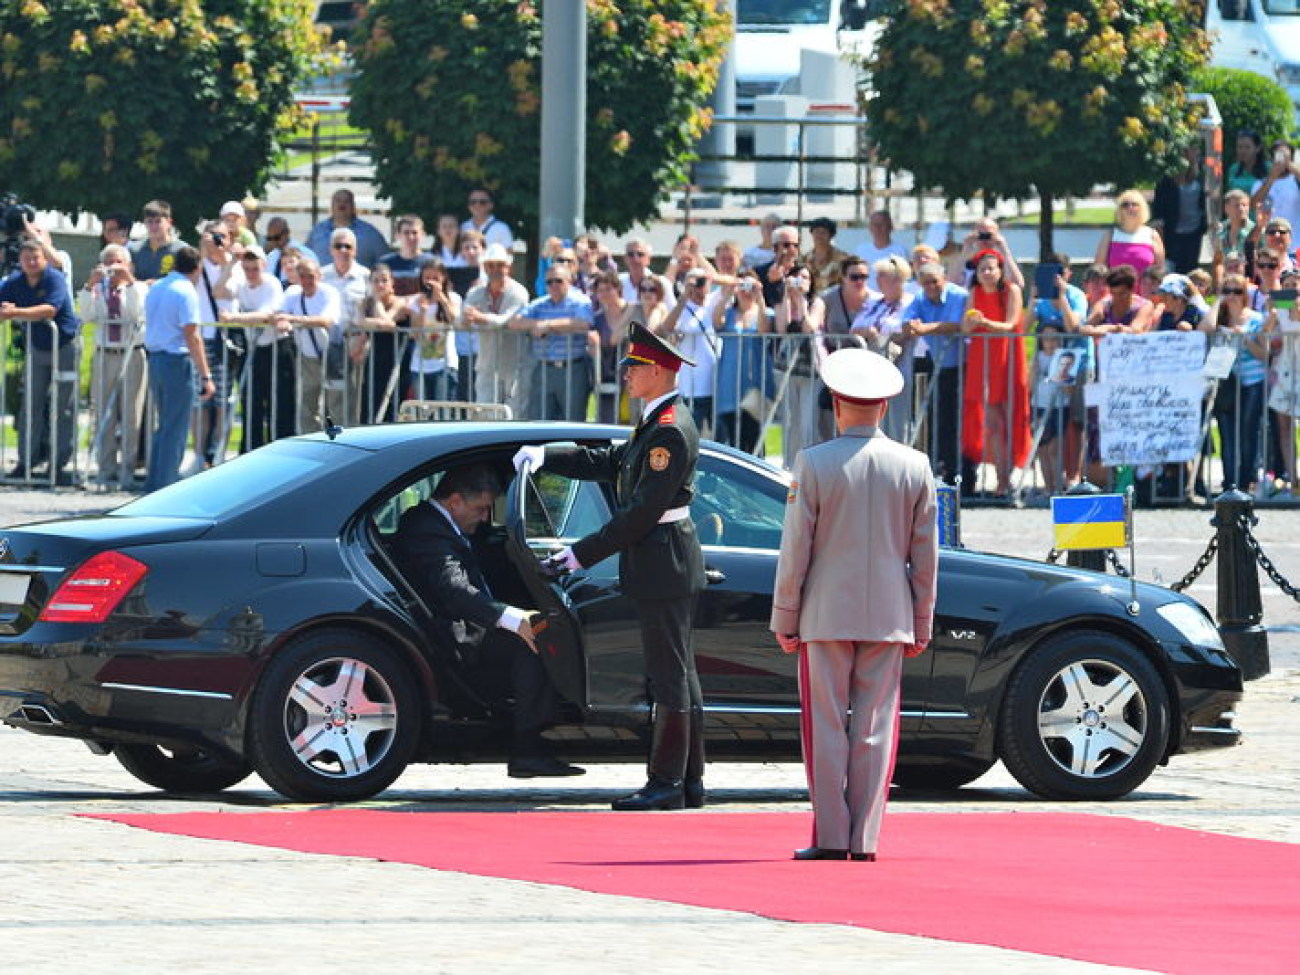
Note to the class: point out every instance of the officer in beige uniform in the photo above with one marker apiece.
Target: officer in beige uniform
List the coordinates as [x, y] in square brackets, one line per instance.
[855, 590]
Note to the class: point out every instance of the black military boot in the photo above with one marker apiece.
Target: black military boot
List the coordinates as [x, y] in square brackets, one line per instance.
[663, 790]
[693, 784]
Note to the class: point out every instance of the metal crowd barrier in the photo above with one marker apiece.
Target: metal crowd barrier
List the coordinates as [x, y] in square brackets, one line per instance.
[757, 392]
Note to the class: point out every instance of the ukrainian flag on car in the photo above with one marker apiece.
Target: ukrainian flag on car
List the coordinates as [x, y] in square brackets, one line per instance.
[1090, 521]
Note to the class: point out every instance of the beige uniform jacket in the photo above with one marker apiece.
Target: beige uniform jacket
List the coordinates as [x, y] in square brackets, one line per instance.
[859, 550]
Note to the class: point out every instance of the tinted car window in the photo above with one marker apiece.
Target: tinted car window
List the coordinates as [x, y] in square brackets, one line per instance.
[736, 507]
[557, 507]
[235, 486]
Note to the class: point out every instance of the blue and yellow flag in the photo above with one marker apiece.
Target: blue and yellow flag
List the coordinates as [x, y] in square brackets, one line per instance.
[947, 514]
[1090, 521]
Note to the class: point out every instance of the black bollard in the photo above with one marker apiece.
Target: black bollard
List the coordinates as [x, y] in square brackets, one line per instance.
[1086, 558]
[1239, 609]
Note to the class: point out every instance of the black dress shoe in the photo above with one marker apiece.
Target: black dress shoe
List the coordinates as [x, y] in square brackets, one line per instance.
[541, 767]
[820, 853]
[655, 794]
[18, 472]
[693, 793]
[863, 857]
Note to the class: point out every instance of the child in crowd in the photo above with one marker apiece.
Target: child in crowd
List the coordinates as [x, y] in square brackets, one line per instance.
[1055, 371]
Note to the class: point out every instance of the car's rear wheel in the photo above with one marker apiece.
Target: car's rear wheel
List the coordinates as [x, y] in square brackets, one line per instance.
[181, 769]
[335, 718]
[940, 775]
[1086, 717]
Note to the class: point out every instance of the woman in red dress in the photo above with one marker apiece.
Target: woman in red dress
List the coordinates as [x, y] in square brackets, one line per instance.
[995, 398]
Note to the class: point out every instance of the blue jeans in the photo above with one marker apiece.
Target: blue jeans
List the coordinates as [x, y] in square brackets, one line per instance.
[171, 388]
[1238, 410]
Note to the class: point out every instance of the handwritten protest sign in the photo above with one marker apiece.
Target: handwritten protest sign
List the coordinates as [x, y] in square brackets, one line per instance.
[1149, 399]
[1151, 354]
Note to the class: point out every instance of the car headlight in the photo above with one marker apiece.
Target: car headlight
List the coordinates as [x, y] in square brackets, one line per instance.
[1192, 624]
[1288, 74]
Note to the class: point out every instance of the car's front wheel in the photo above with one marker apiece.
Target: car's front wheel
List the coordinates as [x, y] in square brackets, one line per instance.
[1086, 717]
[181, 769]
[335, 718]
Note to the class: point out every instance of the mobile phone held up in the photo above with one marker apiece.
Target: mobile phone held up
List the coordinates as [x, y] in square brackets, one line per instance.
[1045, 276]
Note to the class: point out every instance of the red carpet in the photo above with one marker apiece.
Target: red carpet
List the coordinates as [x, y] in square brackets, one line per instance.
[1094, 888]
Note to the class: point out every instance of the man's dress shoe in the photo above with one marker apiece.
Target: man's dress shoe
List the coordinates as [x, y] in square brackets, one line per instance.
[541, 767]
[820, 853]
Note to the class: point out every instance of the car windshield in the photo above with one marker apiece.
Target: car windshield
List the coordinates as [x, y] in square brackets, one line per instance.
[772, 12]
[234, 486]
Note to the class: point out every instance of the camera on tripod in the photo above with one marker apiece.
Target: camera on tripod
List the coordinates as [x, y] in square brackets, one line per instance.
[14, 216]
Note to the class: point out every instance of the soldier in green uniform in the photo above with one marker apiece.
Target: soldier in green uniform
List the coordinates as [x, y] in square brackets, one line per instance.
[662, 567]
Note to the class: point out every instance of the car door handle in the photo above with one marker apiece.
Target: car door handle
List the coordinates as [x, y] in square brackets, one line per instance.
[714, 577]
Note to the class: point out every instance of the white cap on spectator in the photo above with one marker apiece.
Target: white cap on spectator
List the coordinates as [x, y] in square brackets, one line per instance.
[232, 206]
[1178, 285]
[496, 254]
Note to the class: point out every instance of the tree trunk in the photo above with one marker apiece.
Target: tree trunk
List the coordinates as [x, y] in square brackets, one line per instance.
[1046, 247]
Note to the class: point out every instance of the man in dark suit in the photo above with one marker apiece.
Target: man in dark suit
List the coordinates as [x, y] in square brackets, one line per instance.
[662, 568]
[433, 549]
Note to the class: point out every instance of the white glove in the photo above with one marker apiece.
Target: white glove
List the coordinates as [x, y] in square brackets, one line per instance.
[565, 559]
[531, 457]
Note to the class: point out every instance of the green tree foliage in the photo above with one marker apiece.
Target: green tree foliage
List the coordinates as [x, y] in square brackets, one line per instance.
[451, 96]
[1009, 97]
[1247, 101]
[105, 104]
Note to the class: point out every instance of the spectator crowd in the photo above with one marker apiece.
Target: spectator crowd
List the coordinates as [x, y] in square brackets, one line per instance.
[256, 333]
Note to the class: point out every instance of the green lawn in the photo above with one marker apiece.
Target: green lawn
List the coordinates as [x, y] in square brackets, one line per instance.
[1092, 216]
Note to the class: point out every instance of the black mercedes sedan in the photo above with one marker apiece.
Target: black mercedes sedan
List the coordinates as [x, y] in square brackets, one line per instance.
[253, 617]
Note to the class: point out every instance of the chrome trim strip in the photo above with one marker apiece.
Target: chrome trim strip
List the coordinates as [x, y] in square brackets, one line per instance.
[1202, 730]
[738, 549]
[176, 691]
[947, 714]
[749, 709]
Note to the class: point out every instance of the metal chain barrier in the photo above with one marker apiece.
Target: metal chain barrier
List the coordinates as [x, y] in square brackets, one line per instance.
[1265, 563]
[1115, 564]
[1201, 565]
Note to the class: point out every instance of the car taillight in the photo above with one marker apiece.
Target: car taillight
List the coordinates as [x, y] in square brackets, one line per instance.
[91, 593]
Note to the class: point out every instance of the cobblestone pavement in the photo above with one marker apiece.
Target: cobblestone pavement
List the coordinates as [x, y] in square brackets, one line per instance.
[87, 896]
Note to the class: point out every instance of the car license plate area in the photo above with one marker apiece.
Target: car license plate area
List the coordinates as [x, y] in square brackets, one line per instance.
[13, 592]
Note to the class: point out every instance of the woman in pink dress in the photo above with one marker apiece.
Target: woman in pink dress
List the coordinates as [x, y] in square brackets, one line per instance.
[1130, 241]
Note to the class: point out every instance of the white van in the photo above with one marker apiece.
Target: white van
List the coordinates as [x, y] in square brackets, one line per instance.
[1262, 36]
[771, 33]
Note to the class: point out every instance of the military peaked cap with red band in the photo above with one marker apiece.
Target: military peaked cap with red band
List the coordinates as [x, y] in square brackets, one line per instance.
[647, 348]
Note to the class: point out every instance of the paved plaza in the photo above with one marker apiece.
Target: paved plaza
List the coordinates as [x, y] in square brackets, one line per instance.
[86, 896]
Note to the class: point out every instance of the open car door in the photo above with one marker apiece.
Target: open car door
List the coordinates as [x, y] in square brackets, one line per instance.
[559, 638]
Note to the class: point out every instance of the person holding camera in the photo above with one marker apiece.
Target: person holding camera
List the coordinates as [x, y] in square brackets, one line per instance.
[1278, 193]
[434, 313]
[114, 299]
[744, 368]
[311, 309]
[36, 297]
[800, 317]
[985, 235]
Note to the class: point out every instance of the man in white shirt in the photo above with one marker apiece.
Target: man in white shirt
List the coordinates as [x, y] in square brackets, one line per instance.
[312, 309]
[487, 309]
[269, 384]
[493, 228]
[350, 280]
[881, 245]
